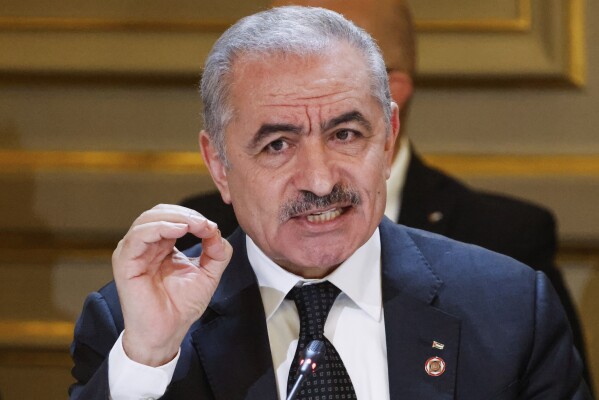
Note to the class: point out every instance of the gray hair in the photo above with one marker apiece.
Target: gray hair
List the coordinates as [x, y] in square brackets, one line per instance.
[287, 30]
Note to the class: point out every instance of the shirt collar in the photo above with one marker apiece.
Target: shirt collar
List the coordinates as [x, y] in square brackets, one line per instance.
[397, 179]
[359, 277]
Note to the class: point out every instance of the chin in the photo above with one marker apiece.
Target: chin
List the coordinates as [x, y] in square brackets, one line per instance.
[317, 263]
[305, 250]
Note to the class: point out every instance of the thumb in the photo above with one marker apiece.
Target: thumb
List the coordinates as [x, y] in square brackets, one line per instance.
[216, 253]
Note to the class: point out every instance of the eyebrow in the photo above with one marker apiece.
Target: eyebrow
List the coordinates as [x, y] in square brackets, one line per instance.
[351, 116]
[268, 129]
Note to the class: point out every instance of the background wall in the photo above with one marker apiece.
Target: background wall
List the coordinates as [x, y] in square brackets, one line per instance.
[89, 139]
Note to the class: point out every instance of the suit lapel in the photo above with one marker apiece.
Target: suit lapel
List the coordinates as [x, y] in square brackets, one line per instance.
[231, 337]
[412, 323]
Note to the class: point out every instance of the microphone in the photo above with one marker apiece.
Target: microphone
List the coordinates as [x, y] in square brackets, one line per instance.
[309, 359]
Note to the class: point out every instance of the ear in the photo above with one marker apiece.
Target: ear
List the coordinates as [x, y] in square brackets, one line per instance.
[401, 86]
[392, 138]
[215, 166]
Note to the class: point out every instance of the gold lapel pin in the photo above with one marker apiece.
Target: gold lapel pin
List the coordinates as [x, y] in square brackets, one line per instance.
[435, 216]
[434, 366]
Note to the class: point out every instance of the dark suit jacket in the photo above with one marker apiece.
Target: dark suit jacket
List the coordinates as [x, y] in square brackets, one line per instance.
[509, 226]
[504, 330]
[436, 202]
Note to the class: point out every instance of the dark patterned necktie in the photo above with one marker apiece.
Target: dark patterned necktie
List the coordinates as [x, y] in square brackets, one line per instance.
[330, 380]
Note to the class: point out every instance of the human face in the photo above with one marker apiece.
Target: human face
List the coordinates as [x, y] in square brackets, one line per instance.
[303, 127]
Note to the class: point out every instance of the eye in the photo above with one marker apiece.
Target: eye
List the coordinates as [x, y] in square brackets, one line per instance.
[277, 146]
[346, 135]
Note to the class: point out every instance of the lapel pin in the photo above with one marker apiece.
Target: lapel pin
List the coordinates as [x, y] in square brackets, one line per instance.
[437, 345]
[435, 217]
[434, 366]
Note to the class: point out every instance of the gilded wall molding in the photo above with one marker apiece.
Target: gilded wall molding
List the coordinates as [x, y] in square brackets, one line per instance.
[454, 51]
[521, 23]
[576, 42]
[35, 343]
[517, 166]
[509, 165]
[12, 161]
[43, 335]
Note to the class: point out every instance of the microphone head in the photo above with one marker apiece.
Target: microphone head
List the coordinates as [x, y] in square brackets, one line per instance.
[316, 349]
[312, 354]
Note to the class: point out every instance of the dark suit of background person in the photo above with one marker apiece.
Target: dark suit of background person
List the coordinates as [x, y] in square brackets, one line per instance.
[432, 200]
[507, 336]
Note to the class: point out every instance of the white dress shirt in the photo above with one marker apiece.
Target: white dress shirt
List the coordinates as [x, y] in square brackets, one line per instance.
[396, 181]
[355, 326]
[129, 380]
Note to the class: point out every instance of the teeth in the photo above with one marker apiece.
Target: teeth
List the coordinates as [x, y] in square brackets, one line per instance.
[324, 216]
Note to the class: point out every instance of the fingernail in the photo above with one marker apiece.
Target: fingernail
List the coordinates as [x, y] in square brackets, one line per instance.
[200, 219]
[197, 218]
[211, 224]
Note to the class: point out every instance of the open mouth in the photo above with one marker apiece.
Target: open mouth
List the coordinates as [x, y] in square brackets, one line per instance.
[325, 216]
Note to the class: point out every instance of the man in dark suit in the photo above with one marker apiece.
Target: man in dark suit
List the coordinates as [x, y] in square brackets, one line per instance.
[423, 197]
[226, 355]
[299, 138]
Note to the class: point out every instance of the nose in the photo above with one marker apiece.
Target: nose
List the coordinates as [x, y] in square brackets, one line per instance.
[315, 169]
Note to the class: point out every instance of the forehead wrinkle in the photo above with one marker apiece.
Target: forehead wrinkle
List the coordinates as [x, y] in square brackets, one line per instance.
[301, 100]
[353, 115]
[292, 97]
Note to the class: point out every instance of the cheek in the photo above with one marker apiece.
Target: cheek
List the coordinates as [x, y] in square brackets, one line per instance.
[257, 194]
[371, 174]
[371, 182]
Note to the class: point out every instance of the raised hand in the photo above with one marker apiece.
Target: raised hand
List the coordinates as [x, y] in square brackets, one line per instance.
[162, 292]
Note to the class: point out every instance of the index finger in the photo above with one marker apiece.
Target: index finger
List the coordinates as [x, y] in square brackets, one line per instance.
[199, 225]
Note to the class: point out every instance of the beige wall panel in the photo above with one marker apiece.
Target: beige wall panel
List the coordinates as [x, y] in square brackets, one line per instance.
[19, 383]
[104, 53]
[100, 203]
[502, 119]
[52, 288]
[27, 293]
[86, 116]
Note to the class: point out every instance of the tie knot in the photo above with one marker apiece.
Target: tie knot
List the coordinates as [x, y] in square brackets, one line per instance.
[313, 304]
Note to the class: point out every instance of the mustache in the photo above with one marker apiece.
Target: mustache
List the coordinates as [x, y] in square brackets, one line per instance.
[307, 201]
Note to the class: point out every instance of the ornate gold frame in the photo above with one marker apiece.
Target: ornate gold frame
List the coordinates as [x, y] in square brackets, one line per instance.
[521, 23]
[572, 73]
[12, 161]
